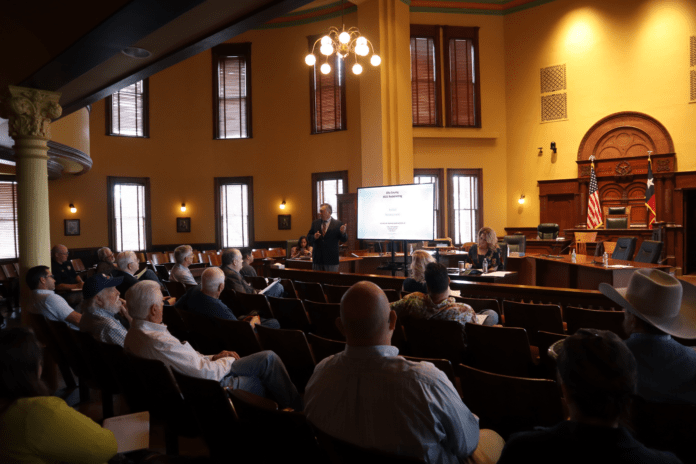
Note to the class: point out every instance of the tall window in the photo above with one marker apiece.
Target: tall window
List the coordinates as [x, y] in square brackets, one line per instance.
[9, 246]
[127, 111]
[232, 91]
[465, 204]
[459, 73]
[129, 213]
[434, 176]
[327, 94]
[234, 211]
[326, 186]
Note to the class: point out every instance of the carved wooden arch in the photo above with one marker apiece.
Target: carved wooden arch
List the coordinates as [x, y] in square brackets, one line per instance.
[627, 134]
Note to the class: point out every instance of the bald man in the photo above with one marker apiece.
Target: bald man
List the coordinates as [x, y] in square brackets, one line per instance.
[370, 396]
[205, 299]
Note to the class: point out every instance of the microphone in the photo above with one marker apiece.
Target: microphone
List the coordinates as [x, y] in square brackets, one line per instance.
[560, 253]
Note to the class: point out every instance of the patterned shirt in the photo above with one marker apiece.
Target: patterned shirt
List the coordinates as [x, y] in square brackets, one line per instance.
[419, 306]
[103, 326]
[493, 257]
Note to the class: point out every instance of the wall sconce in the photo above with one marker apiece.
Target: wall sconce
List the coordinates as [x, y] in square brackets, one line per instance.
[521, 200]
[72, 208]
[282, 205]
[553, 147]
[183, 207]
[541, 151]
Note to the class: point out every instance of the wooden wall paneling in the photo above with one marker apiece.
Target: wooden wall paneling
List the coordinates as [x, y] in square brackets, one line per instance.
[560, 210]
[529, 232]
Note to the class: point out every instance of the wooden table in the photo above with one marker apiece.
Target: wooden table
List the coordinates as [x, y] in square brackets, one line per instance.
[548, 246]
[562, 273]
[509, 278]
[346, 264]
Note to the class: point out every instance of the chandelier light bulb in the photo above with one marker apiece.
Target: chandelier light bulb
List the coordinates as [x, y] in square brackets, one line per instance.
[357, 69]
[326, 40]
[310, 59]
[375, 60]
[362, 50]
[361, 41]
[326, 49]
[325, 68]
[344, 37]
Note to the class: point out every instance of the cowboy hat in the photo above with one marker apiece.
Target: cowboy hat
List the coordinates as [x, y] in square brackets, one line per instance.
[659, 299]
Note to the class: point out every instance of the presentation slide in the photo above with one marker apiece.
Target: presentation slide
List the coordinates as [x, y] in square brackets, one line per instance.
[396, 212]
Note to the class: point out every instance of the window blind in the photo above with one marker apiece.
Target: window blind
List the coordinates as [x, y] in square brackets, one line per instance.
[465, 205]
[234, 215]
[129, 217]
[233, 120]
[9, 247]
[423, 81]
[328, 104]
[462, 80]
[128, 111]
[327, 192]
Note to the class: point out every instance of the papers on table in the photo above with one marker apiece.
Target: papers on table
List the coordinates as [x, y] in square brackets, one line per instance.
[498, 273]
[618, 266]
[132, 431]
[480, 318]
[275, 282]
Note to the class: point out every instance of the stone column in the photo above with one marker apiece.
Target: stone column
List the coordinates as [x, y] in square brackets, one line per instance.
[385, 94]
[30, 112]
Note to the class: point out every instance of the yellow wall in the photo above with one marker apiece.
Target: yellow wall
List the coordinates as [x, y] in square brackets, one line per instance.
[483, 148]
[619, 56]
[181, 158]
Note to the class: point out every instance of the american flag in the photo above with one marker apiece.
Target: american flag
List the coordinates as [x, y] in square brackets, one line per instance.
[650, 196]
[594, 212]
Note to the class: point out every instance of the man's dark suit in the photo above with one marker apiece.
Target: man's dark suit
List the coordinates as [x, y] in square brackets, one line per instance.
[325, 251]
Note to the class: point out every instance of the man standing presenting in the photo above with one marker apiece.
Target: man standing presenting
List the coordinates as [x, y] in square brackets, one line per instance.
[324, 237]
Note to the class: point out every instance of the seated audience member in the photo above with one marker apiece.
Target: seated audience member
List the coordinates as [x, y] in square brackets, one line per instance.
[247, 259]
[261, 373]
[369, 396]
[205, 299]
[100, 306]
[302, 250]
[63, 272]
[105, 255]
[488, 250]
[128, 266]
[183, 255]
[105, 268]
[658, 306]
[597, 374]
[45, 301]
[416, 283]
[231, 265]
[437, 304]
[36, 427]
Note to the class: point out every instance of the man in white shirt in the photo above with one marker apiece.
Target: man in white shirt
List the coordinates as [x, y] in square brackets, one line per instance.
[369, 396]
[54, 307]
[261, 373]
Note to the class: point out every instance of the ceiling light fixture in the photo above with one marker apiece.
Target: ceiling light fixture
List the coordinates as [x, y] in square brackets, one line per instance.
[343, 43]
[137, 53]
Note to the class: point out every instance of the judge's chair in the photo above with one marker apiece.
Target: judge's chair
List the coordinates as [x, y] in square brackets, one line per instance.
[625, 246]
[516, 243]
[547, 231]
[617, 217]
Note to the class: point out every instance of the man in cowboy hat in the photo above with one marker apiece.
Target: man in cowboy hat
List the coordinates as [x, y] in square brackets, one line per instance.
[657, 307]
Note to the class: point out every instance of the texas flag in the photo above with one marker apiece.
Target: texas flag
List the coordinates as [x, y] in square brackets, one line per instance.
[650, 197]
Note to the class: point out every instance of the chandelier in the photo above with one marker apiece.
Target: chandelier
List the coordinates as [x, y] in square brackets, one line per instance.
[343, 43]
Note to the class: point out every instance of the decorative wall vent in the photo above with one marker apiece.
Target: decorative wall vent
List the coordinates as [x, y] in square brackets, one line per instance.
[554, 101]
[554, 107]
[692, 63]
[692, 55]
[693, 86]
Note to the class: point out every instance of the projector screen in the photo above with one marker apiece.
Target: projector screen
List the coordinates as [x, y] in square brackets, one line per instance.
[396, 212]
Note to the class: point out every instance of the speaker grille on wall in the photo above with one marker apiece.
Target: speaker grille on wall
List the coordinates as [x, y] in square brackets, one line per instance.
[553, 78]
[692, 55]
[693, 86]
[554, 107]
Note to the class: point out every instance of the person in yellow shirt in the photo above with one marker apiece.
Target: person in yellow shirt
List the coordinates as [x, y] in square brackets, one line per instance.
[35, 427]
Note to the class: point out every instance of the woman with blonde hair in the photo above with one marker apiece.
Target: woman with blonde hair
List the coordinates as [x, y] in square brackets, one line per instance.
[485, 250]
[416, 283]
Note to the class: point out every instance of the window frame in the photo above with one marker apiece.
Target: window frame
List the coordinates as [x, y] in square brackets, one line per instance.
[451, 173]
[219, 182]
[111, 182]
[13, 178]
[219, 52]
[442, 36]
[145, 117]
[439, 191]
[432, 32]
[322, 176]
[313, 73]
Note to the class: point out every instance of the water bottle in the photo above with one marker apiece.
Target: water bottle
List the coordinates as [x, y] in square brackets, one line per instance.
[485, 266]
[573, 257]
[605, 259]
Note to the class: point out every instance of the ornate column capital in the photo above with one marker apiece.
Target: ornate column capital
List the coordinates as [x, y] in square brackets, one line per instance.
[30, 111]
